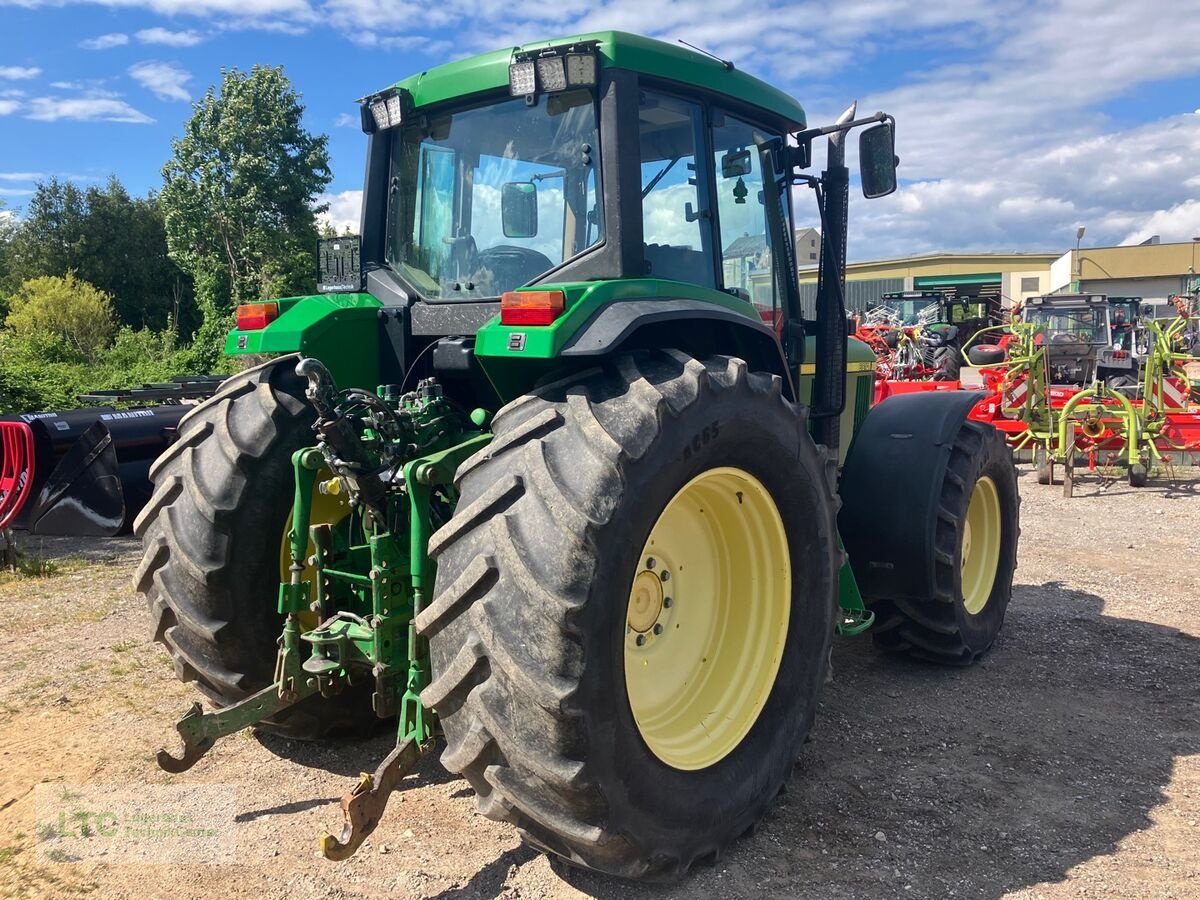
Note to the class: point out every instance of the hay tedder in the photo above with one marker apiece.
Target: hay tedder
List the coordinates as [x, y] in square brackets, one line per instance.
[1068, 405]
[920, 336]
[539, 483]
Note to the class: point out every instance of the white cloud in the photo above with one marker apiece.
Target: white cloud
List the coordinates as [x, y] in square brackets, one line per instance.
[105, 41]
[1179, 223]
[19, 73]
[165, 80]
[169, 38]
[22, 176]
[85, 109]
[345, 120]
[344, 211]
[8, 107]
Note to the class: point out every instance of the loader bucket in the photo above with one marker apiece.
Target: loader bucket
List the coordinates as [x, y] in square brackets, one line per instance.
[82, 472]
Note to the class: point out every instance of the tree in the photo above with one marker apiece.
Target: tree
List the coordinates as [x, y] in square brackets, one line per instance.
[238, 194]
[8, 226]
[66, 309]
[111, 240]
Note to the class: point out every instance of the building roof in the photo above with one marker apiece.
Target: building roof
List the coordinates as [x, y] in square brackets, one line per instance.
[943, 264]
[747, 245]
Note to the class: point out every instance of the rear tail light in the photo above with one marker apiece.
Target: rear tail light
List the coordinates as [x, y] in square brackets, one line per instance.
[253, 316]
[530, 307]
[1120, 354]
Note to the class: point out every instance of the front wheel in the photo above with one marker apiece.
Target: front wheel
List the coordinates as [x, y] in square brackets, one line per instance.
[974, 554]
[633, 610]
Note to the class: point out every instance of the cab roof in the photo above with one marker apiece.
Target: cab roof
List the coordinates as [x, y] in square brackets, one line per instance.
[617, 49]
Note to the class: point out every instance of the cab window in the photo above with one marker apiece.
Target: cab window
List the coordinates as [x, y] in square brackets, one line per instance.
[745, 239]
[675, 224]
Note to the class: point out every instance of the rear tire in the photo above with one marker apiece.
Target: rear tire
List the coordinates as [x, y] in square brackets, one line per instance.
[947, 362]
[528, 630]
[211, 536]
[1138, 475]
[958, 624]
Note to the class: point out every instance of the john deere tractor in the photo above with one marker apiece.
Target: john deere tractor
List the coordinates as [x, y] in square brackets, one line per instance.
[542, 483]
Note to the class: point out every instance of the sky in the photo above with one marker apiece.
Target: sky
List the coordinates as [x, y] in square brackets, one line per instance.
[1017, 121]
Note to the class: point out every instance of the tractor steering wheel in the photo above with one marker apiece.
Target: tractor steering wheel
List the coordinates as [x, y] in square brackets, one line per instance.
[512, 266]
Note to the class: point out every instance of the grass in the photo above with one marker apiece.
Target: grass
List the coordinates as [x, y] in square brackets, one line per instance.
[29, 567]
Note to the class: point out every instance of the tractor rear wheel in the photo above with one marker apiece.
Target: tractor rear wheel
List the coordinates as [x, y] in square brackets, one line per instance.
[974, 555]
[947, 362]
[633, 610]
[211, 536]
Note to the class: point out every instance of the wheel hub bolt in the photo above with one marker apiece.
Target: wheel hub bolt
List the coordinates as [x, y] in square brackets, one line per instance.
[658, 629]
[665, 575]
[650, 562]
[641, 639]
[667, 601]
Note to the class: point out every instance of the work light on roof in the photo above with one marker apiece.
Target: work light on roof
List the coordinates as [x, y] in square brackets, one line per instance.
[522, 80]
[386, 109]
[552, 74]
[553, 69]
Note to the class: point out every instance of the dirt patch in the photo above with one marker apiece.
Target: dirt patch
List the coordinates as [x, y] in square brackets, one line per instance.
[1066, 764]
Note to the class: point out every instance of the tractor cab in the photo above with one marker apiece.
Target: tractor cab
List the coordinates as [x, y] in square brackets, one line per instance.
[1084, 335]
[537, 185]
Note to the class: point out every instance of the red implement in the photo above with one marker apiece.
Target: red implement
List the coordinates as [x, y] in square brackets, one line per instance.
[16, 469]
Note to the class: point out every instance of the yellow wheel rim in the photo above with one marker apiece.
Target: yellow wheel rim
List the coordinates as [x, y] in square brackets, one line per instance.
[707, 618]
[326, 508]
[980, 551]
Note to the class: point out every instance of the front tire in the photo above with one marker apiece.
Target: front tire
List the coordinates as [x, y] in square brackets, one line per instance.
[544, 584]
[975, 554]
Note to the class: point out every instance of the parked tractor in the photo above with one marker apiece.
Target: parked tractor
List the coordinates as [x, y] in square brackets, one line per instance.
[540, 484]
[921, 335]
[1088, 338]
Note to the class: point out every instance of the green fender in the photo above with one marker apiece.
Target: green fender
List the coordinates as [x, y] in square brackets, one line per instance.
[341, 330]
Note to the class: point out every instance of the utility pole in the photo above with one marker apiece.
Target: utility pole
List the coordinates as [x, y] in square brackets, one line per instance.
[1078, 261]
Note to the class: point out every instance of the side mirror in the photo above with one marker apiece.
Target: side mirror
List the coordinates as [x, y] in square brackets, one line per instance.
[877, 161]
[519, 209]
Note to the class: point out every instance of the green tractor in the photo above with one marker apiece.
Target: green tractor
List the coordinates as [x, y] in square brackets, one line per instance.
[540, 483]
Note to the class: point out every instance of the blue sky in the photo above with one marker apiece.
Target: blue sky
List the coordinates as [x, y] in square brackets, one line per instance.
[1018, 120]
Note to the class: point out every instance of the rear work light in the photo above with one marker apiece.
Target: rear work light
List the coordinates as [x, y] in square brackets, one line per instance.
[530, 307]
[253, 316]
[553, 69]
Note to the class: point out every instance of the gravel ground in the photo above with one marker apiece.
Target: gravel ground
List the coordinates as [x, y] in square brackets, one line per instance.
[1064, 765]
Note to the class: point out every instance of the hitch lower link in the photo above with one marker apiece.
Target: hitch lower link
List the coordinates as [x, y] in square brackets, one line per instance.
[363, 805]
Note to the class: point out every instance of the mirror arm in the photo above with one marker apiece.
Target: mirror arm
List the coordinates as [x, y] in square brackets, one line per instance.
[809, 133]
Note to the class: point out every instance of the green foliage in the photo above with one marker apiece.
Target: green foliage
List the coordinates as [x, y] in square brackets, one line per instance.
[61, 340]
[38, 373]
[109, 239]
[66, 309]
[238, 193]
